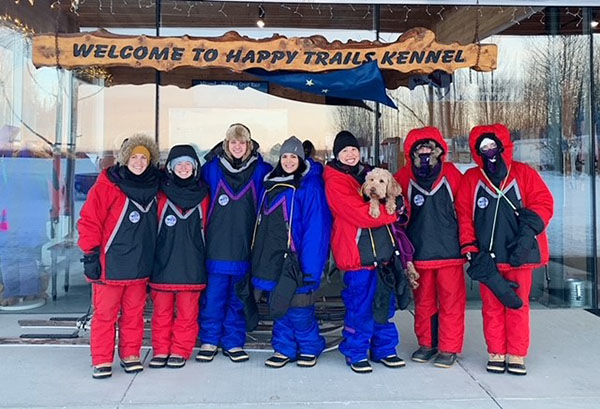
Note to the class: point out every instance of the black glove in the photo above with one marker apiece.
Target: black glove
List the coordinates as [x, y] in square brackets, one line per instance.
[481, 266]
[383, 293]
[92, 268]
[530, 225]
[290, 279]
[504, 290]
[483, 269]
[245, 293]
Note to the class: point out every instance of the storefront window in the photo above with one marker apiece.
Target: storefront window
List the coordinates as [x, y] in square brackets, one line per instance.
[59, 128]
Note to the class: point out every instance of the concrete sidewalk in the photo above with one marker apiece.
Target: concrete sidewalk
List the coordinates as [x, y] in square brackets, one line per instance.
[563, 373]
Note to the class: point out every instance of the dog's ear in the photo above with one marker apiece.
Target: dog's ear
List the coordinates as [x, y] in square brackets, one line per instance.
[393, 188]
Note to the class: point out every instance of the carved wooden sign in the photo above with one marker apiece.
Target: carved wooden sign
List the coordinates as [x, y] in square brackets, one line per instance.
[416, 50]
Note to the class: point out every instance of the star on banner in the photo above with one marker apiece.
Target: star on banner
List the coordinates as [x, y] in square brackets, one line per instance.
[309, 83]
[325, 91]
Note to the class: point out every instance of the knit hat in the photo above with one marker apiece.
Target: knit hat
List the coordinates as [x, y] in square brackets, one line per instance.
[342, 140]
[309, 148]
[182, 153]
[238, 132]
[140, 149]
[138, 143]
[292, 145]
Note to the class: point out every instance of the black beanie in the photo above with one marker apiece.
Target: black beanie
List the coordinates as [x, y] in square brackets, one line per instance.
[342, 140]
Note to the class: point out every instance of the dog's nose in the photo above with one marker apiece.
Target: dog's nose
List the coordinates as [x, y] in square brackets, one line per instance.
[372, 190]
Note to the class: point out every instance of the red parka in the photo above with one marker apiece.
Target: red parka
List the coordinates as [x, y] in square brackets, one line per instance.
[350, 215]
[436, 225]
[110, 219]
[522, 183]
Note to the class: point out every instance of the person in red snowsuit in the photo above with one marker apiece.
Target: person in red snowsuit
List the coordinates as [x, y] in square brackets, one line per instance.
[179, 273]
[117, 234]
[503, 208]
[430, 185]
[360, 243]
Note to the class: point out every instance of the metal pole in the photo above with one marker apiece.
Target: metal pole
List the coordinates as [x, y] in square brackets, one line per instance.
[592, 162]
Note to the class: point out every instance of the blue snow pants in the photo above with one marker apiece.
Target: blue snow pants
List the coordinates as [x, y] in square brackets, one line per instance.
[361, 333]
[298, 333]
[222, 320]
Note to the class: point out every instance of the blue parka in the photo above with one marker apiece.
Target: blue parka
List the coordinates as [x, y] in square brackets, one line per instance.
[234, 194]
[310, 229]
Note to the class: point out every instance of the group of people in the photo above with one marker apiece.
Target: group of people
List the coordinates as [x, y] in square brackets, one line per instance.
[236, 227]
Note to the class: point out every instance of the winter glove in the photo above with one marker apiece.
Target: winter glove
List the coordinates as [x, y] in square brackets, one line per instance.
[483, 269]
[383, 294]
[504, 290]
[290, 279]
[245, 293]
[530, 225]
[92, 268]
[481, 266]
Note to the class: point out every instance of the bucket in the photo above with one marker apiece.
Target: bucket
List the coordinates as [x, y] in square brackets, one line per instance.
[575, 293]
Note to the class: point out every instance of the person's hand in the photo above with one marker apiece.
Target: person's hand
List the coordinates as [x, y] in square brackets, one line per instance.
[92, 268]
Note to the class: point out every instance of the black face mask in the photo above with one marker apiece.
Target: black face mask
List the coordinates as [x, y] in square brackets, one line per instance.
[491, 157]
[424, 167]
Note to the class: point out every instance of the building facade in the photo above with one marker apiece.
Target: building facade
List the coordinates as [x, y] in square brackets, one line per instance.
[60, 127]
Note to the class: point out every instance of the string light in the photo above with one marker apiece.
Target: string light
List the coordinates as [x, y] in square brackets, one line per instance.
[331, 12]
[222, 10]
[16, 25]
[298, 13]
[390, 9]
[175, 6]
[577, 14]
[93, 73]
[439, 13]
[513, 19]
[408, 10]
[368, 12]
[288, 8]
[191, 6]
[352, 7]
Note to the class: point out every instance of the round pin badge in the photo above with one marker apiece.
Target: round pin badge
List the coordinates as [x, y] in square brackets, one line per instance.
[483, 202]
[170, 220]
[418, 200]
[223, 199]
[134, 217]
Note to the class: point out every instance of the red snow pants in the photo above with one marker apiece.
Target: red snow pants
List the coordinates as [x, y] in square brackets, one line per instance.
[441, 298]
[110, 300]
[175, 322]
[506, 331]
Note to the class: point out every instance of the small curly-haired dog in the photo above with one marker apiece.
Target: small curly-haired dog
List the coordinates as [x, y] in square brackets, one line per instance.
[381, 185]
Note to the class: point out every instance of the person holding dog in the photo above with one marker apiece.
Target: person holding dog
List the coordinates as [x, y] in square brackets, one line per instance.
[179, 273]
[504, 208]
[117, 234]
[431, 184]
[289, 252]
[359, 241]
[234, 171]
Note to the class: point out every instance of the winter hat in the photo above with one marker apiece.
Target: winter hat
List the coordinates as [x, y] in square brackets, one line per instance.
[138, 143]
[292, 145]
[486, 142]
[342, 140]
[309, 148]
[238, 132]
[182, 153]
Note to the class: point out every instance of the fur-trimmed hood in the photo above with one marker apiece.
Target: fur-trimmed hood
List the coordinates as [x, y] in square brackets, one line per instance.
[422, 134]
[138, 140]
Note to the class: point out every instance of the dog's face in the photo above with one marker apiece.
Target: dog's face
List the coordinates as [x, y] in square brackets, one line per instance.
[380, 183]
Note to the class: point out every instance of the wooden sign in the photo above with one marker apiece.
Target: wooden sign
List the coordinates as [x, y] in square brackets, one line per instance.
[416, 50]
